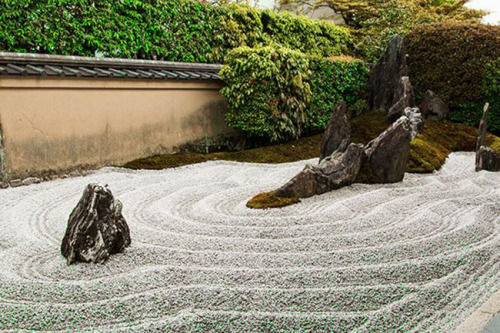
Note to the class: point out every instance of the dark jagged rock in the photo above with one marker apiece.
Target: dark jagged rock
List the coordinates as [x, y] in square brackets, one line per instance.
[416, 121]
[335, 171]
[433, 107]
[483, 127]
[385, 157]
[338, 132]
[96, 228]
[486, 158]
[404, 97]
[385, 75]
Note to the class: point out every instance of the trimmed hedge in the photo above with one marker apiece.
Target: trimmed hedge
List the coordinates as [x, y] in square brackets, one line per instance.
[459, 62]
[174, 30]
[276, 94]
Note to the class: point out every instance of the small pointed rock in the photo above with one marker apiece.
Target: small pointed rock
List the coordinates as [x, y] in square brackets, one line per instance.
[338, 132]
[96, 228]
[404, 97]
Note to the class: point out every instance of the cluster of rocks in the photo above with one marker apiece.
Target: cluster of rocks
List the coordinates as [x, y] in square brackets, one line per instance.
[486, 158]
[96, 228]
[382, 160]
[391, 89]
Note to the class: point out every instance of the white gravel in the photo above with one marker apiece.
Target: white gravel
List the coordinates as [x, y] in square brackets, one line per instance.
[415, 256]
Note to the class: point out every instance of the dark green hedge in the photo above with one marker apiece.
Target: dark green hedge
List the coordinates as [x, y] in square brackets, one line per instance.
[175, 30]
[456, 61]
[276, 94]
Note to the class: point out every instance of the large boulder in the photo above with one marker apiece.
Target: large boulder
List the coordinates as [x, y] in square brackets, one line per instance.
[385, 75]
[338, 132]
[337, 170]
[404, 97]
[385, 157]
[433, 107]
[416, 120]
[96, 228]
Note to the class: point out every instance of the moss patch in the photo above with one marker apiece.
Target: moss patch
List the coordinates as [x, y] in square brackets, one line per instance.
[428, 150]
[303, 149]
[270, 200]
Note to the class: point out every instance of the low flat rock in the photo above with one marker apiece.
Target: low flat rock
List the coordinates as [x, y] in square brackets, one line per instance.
[336, 171]
[487, 159]
[337, 133]
[96, 228]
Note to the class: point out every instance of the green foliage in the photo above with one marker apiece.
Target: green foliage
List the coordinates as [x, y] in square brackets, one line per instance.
[175, 30]
[267, 92]
[375, 21]
[332, 80]
[277, 94]
[460, 63]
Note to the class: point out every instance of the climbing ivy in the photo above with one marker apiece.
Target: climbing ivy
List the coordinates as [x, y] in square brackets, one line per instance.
[175, 30]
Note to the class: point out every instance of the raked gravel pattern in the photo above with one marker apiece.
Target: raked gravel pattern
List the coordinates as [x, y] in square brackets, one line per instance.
[418, 256]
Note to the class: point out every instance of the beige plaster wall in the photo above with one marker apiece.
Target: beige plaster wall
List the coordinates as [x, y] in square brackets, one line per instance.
[60, 124]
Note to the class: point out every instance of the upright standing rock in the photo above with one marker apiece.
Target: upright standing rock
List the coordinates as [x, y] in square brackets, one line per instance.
[338, 132]
[486, 158]
[433, 107]
[386, 156]
[385, 75]
[96, 228]
[404, 97]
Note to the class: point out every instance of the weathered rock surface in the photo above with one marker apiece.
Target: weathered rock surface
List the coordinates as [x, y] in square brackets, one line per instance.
[433, 107]
[385, 75]
[486, 158]
[416, 121]
[338, 132]
[386, 156]
[404, 97]
[31, 181]
[335, 171]
[96, 228]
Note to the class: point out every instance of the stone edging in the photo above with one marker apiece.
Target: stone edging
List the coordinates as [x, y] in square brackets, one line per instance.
[480, 318]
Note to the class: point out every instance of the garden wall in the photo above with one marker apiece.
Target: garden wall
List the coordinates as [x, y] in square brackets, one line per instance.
[58, 124]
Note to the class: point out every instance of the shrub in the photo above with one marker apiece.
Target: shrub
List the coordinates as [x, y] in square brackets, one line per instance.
[276, 94]
[175, 30]
[267, 92]
[451, 59]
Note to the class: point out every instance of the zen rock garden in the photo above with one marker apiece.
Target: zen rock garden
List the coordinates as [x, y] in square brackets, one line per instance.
[223, 168]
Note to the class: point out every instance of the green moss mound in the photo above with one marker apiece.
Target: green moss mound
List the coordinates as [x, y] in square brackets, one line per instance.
[270, 200]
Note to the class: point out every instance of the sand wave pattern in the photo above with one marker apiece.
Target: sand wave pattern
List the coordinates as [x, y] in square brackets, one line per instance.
[415, 256]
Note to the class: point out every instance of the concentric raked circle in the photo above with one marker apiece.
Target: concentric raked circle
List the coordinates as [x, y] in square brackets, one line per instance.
[414, 256]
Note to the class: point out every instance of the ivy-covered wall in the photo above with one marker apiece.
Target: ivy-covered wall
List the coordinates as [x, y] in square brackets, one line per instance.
[174, 30]
[277, 94]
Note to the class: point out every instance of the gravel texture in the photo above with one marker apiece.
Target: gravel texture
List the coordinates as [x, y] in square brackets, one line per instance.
[414, 256]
